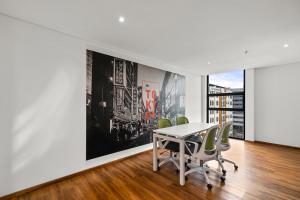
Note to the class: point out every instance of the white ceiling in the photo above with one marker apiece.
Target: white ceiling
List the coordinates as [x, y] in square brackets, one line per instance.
[182, 33]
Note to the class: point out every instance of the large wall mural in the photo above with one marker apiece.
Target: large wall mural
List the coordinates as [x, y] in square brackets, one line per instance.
[124, 100]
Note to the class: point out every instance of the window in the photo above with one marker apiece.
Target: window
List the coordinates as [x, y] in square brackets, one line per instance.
[228, 93]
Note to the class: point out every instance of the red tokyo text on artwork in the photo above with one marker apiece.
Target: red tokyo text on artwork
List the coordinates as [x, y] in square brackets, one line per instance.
[150, 103]
[150, 100]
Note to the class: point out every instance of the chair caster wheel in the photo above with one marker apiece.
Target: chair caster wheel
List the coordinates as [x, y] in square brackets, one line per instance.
[224, 172]
[186, 167]
[177, 171]
[222, 179]
[186, 178]
[222, 161]
[158, 168]
[207, 172]
[209, 186]
[236, 167]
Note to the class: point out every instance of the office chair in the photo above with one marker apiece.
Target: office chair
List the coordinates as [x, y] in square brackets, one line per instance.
[169, 145]
[182, 120]
[223, 144]
[191, 139]
[203, 153]
[173, 147]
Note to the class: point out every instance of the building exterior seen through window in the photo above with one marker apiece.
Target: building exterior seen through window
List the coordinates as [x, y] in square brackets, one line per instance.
[226, 101]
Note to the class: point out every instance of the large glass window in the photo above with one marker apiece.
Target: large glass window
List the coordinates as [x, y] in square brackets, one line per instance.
[226, 100]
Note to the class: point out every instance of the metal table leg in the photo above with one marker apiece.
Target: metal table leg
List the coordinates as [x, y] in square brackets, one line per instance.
[181, 162]
[154, 152]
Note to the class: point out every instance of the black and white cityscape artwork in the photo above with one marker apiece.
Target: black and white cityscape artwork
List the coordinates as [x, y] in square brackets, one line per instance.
[124, 100]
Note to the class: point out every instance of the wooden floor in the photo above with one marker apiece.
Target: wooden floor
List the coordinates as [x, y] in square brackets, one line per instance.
[265, 172]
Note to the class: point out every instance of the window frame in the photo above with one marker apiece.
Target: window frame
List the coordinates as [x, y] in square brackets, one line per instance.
[208, 108]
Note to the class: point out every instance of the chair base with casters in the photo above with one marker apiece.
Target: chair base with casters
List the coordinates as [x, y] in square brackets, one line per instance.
[221, 160]
[172, 157]
[204, 170]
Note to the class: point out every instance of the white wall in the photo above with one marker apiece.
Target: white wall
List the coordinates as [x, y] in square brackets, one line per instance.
[277, 104]
[193, 98]
[42, 105]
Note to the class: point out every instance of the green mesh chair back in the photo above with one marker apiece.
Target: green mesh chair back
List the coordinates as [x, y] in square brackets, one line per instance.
[210, 144]
[164, 123]
[225, 135]
[181, 120]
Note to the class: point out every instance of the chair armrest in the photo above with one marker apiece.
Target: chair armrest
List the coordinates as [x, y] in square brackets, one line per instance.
[195, 148]
[161, 145]
[202, 134]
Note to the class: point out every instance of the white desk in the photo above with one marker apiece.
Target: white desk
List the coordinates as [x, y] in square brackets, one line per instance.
[177, 134]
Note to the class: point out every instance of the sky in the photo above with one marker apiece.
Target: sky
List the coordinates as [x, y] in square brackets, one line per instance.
[233, 79]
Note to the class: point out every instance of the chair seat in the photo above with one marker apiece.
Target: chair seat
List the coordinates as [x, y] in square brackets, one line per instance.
[210, 152]
[174, 146]
[223, 147]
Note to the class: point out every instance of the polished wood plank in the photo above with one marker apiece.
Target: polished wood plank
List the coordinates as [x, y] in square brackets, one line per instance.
[265, 172]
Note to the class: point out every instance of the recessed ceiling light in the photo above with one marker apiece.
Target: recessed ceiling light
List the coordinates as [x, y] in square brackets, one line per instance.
[121, 19]
[285, 45]
[208, 63]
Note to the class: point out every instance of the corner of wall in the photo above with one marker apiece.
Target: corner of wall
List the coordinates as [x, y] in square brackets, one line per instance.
[193, 98]
[203, 97]
[249, 105]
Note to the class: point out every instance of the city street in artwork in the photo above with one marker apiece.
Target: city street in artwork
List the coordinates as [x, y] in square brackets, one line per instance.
[124, 100]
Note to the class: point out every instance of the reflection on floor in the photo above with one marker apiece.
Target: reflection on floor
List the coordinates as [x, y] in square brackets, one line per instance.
[265, 172]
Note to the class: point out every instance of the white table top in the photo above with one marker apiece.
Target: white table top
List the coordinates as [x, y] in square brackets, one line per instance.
[184, 130]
